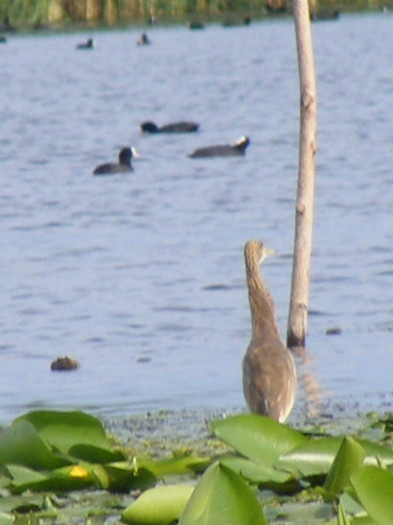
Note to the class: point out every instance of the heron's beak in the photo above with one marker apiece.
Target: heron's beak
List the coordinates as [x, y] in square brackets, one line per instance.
[266, 252]
[135, 153]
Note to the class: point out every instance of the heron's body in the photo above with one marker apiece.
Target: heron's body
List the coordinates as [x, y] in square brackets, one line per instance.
[269, 372]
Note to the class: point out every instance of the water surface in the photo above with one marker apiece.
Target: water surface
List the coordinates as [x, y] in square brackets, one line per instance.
[141, 277]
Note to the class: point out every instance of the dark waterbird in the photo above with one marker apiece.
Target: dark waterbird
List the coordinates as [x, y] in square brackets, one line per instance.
[222, 150]
[89, 44]
[196, 24]
[324, 14]
[174, 127]
[143, 40]
[232, 22]
[123, 166]
[7, 25]
[269, 372]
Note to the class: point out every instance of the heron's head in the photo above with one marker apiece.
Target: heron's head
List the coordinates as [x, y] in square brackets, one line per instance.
[257, 251]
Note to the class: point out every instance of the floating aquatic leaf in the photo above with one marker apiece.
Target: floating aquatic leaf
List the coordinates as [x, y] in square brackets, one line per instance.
[63, 479]
[348, 459]
[31, 501]
[376, 453]
[21, 445]
[317, 455]
[64, 430]
[158, 506]
[95, 454]
[374, 489]
[257, 437]
[342, 518]
[6, 519]
[123, 477]
[181, 464]
[256, 472]
[313, 458]
[349, 502]
[222, 497]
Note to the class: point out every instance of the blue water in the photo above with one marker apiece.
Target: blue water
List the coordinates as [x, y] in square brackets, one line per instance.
[140, 277]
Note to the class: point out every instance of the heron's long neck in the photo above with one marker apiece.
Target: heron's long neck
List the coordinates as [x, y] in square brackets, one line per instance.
[261, 304]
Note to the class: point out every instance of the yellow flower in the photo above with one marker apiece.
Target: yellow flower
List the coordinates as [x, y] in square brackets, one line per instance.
[78, 472]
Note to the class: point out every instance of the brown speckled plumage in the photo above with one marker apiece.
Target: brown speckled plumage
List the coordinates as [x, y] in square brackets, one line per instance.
[269, 372]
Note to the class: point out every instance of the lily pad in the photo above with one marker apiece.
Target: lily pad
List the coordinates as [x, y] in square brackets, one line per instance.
[313, 458]
[257, 437]
[123, 477]
[182, 464]
[158, 506]
[349, 458]
[64, 430]
[257, 473]
[6, 519]
[374, 489]
[21, 445]
[222, 497]
[64, 479]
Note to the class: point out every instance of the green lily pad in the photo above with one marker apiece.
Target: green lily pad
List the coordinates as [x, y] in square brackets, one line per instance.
[222, 497]
[6, 519]
[21, 445]
[123, 477]
[158, 506]
[73, 477]
[376, 453]
[374, 489]
[176, 465]
[313, 458]
[316, 456]
[255, 472]
[348, 459]
[342, 518]
[64, 430]
[12, 503]
[95, 454]
[257, 437]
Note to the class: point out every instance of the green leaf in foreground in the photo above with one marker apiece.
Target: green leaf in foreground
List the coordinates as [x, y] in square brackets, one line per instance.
[74, 477]
[313, 458]
[21, 445]
[316, 456]
[123, 477]
[6, 519]
[64, 430]
[222, 497]
[376, 453]
[342, 518]
[257, 437]
[348, 459]
[182, 464]
[374, 489]
[257, 473]
[158, 506]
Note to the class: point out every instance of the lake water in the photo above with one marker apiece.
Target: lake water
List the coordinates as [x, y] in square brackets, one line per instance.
[140, 277]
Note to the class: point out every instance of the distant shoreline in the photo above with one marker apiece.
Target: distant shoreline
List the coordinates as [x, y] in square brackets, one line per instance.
[55, 16]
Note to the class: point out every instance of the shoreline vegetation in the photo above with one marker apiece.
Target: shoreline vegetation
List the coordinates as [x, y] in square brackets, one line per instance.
[65, 14]
[214, 468]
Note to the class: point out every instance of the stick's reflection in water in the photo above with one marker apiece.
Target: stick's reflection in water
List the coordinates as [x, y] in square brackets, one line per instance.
[308, 382]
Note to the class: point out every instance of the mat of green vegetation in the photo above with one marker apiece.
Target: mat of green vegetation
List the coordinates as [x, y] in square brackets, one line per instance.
[195, 467]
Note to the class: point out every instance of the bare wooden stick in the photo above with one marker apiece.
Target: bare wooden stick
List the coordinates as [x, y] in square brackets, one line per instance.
[298, 308]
